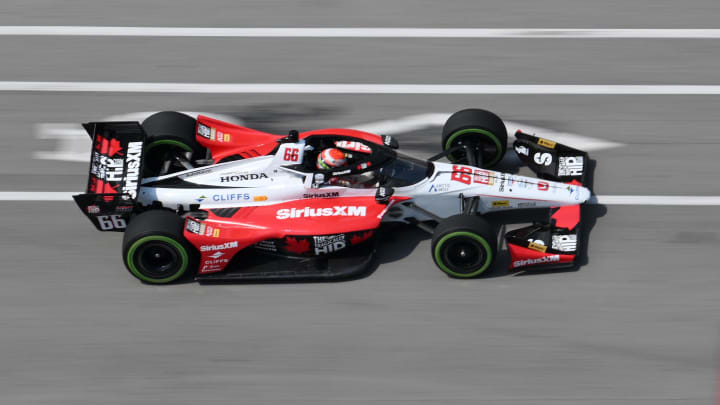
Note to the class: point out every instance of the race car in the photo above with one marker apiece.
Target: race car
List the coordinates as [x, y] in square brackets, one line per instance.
[221, 202]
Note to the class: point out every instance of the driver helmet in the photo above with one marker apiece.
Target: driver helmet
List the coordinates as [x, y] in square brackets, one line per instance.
[331, 158]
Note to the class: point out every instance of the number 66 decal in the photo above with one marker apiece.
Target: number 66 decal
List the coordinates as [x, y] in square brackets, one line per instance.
[110, 222]
[291, 155]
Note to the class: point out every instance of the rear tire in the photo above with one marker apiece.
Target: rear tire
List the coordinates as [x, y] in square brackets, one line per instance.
[475, 127]
[168, 133]
[154, 249]
[464, 246]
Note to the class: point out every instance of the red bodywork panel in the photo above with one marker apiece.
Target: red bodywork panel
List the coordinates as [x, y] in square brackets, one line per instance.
[522, 257]
[365, 136]
[225, 140]
[218, 238]
[108, 149]
[568, 216]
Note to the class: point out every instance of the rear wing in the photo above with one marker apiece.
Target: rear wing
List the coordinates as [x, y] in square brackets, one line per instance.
[114, 174]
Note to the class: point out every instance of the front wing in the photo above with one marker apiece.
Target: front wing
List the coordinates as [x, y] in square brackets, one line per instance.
[552, 245]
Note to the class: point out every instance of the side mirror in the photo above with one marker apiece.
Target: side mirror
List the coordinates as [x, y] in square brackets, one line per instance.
[292, 137]
[383, 194]
[314, 180]
[390, 142]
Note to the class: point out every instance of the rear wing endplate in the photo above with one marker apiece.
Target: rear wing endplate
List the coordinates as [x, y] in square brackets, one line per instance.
[114, 174]
[553, 245]
[551, 160]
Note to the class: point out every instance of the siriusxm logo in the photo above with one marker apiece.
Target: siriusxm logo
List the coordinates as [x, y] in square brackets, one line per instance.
[337, 211]
[322, 195]
[539, 260]
[133, 168]
[222, 246]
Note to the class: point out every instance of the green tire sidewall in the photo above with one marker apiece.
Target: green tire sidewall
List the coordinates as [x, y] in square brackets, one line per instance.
[134, 270]
[476, 237]
[168, 142]
[455, 135]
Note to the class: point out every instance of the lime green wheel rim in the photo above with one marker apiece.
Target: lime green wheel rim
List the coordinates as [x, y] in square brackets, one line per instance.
[477, 238]
[498, 155]
[157, 238]
[168, 142]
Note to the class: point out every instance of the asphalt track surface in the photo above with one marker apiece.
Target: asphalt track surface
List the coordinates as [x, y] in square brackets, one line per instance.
[637, 325]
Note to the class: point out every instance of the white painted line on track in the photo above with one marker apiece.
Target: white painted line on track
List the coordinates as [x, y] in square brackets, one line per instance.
[655, 200]
[680, 200]
[37, 195]
[357, 88]
[409, 123]
[360, 32]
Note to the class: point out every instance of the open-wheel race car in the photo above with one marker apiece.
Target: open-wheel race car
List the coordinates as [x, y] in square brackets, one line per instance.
[205, 198]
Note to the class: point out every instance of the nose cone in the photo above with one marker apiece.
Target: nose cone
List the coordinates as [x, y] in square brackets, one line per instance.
[584, 194]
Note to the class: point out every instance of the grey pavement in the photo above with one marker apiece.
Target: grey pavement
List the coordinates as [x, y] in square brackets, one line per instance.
[370, 13]
[637, 325]
[361, 60]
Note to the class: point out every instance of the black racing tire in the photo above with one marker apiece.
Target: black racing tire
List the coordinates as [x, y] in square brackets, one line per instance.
[475, 127]
[464, 246]
[169, 131]
[154, 249]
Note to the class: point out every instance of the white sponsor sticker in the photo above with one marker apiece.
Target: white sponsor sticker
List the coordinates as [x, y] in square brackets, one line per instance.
[328, 244]
[570, 165]
[522, 150]
[564, 243]
[204, 131]
[353, 146]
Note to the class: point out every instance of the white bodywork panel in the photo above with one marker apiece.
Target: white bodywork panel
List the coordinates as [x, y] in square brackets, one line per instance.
[267, 180]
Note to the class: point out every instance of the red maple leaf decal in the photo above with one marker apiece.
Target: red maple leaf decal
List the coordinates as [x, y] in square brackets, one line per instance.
[297, 246]
[361, 238]
[115, 147]
[110, 147]
[100, 187]
[99, 142]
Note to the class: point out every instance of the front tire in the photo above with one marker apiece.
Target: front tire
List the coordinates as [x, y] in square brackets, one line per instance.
[154, 249]
[475, 128]
[464, 246]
